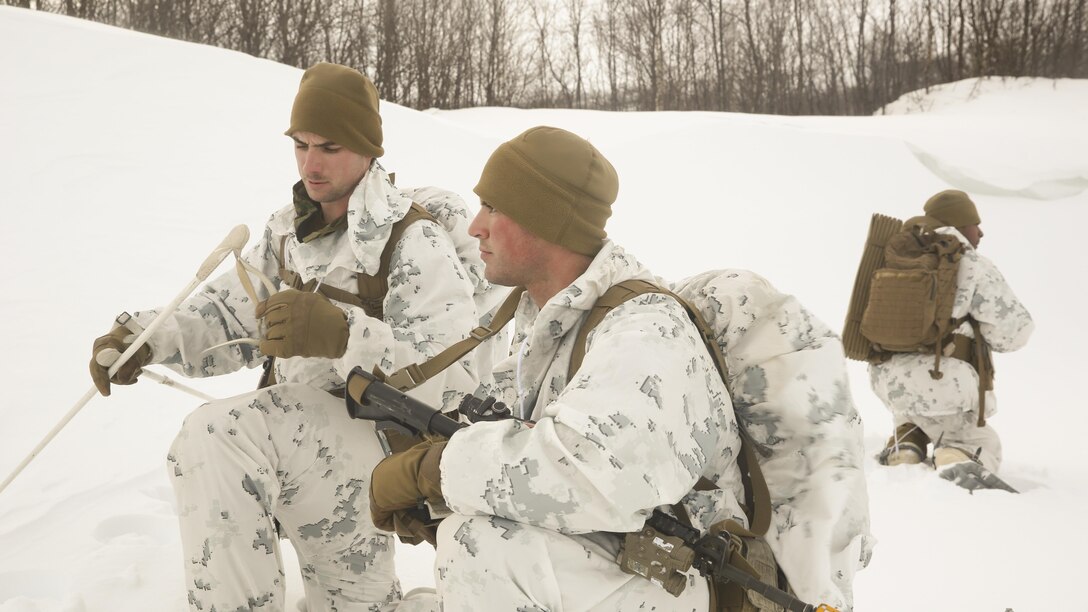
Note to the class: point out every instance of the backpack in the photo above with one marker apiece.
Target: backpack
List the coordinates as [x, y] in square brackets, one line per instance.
[902, 301]
[910, 292]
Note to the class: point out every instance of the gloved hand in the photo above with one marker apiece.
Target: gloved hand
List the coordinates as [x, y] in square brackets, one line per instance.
[398, 486]
[301, 324]
[118, 339]
[413, 527]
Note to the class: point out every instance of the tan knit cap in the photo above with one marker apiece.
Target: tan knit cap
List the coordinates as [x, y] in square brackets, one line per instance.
[952, 208]
[340, 104]
[554, 184]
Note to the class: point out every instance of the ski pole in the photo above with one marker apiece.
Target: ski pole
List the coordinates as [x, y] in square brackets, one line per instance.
[171, 382]
[108, 356]
[233, 243]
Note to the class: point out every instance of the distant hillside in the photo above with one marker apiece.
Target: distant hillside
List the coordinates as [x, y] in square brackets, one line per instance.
[995, 95]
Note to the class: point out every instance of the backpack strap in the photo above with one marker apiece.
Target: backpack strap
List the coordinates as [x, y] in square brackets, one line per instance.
[372, 288]
[755, 485]
[976, 351]
[413, 375]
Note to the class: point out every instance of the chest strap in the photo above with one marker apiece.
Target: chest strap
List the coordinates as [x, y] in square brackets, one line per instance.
[372, 288]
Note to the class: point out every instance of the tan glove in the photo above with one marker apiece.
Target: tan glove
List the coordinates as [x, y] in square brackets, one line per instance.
[413, 527]
[300, 324]
[399, 485]
[118, 339]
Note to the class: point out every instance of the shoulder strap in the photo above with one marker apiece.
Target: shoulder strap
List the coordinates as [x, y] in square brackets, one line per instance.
[755, 485]
[616, 295]
[413, 375]
[373, 287]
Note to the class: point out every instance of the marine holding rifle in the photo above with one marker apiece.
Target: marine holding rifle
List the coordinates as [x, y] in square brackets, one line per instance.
[546, 506]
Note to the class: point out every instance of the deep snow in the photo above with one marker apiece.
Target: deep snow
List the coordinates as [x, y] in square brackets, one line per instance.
[128, 157]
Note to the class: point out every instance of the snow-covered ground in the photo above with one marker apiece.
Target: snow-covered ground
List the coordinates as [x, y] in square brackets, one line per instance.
[128, 157]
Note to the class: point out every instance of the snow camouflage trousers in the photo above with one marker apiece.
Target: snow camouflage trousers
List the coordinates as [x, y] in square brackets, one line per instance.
[491, 563]
[291, 452]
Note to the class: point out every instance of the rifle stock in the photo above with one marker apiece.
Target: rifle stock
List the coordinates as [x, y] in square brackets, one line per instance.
[368, 397]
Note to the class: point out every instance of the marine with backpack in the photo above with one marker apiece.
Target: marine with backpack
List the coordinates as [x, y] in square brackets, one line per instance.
[926, 313]
[639, 423]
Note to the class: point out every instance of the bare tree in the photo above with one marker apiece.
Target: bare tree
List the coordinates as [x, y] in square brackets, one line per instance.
[780, 56]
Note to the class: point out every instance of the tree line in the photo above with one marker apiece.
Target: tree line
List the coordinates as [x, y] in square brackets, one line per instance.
[759, 56]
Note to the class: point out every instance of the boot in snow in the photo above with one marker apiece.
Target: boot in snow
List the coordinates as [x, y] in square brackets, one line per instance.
[962, 470]
[907, 446]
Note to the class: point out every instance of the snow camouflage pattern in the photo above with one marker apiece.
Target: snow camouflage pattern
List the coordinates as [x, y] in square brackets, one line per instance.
[290, 451]
[903, 382]
[646, 415]
[791, 393]
[421, 316]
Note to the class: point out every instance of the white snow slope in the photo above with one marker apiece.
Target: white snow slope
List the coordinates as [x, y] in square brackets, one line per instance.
[128, 157]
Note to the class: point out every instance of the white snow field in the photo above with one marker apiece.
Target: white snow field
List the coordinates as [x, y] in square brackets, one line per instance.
[127, 157]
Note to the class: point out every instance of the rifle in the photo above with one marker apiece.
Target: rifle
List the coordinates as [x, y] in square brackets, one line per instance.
[712, 552]
[369, 398]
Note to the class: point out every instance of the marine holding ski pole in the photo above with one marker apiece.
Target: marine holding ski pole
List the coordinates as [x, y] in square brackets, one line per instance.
[550, 507]
[943, 395]
[350, 272]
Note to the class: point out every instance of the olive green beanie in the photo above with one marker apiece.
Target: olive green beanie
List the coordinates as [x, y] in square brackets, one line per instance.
[339, 103]
[554, 184]
[952, 208]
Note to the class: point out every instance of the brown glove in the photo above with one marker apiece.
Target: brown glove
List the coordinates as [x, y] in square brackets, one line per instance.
[300, 324]
[413, 526]
[400, 484]
[118, 339]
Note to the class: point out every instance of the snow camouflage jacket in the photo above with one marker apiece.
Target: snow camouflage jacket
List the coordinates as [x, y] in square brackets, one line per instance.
[646, 415]
[429, 305]
[903, 382]
[790, 390]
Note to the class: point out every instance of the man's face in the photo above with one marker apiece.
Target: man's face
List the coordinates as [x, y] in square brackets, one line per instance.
[329, 171]
[973, 234]
[512, 255]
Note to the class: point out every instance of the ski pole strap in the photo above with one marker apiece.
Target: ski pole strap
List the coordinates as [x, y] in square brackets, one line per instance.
[413, 375]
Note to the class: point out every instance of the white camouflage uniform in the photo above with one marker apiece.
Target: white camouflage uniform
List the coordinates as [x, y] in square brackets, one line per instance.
[289, 451]
[791, 393]
[947, 409]
[645, 416]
